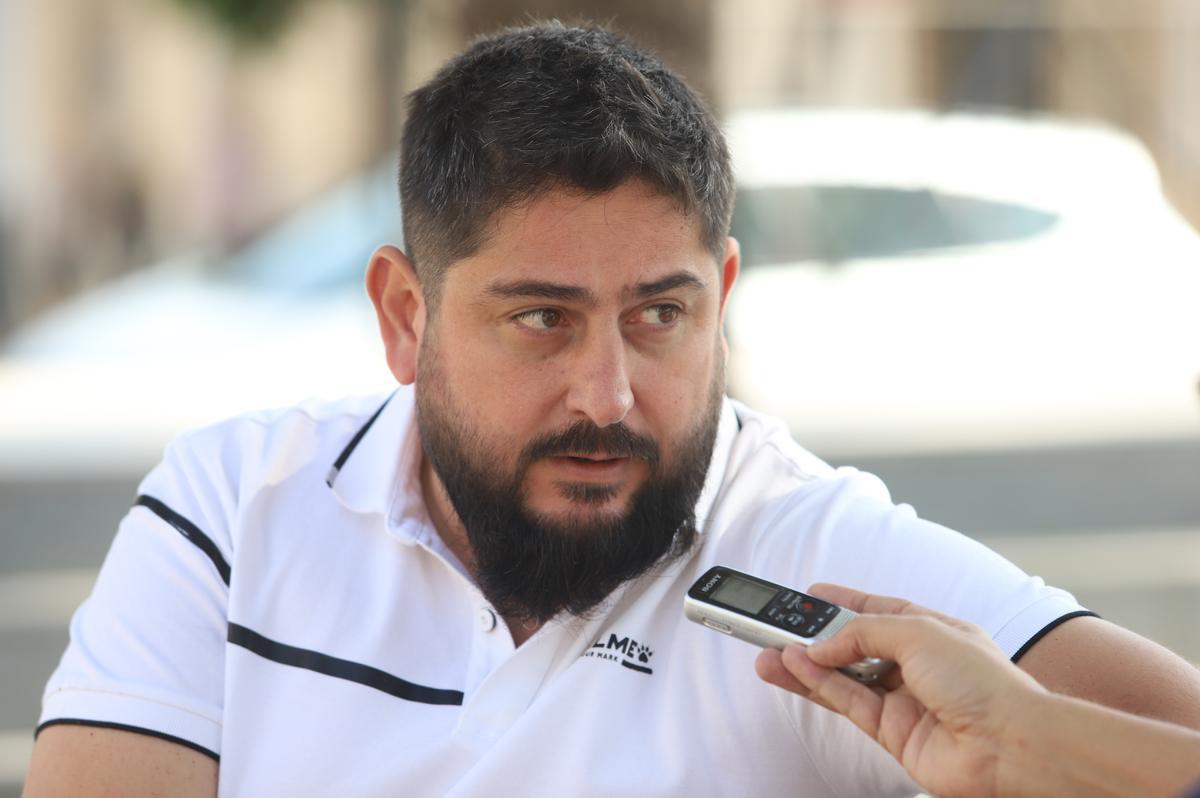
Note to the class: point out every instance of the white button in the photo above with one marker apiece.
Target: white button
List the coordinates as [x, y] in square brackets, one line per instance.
[487, 619]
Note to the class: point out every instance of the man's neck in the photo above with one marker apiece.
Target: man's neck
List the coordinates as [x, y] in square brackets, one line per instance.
[454, 535]
[445, 520]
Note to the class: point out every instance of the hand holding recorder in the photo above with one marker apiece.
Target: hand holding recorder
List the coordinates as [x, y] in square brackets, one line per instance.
[771, 616]
[963, 720]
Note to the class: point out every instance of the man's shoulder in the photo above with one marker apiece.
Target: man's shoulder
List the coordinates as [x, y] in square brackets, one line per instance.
[795, 520]
[767, 459]
[310, 416]
[278, 439]
[778, 500]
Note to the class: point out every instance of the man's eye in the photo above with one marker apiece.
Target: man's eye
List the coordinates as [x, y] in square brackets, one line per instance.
[540, 319]
[661, 315]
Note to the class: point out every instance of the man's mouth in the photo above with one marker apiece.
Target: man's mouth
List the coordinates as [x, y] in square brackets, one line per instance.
[589, 467]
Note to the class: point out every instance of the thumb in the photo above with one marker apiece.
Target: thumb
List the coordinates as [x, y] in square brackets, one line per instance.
[887, 637]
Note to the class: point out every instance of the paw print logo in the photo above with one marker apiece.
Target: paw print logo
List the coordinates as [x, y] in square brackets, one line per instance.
[644, 653]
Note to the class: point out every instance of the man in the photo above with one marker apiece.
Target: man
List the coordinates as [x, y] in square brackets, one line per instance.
[474, 586]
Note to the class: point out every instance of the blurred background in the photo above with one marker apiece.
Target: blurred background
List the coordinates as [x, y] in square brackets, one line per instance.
[970, 234]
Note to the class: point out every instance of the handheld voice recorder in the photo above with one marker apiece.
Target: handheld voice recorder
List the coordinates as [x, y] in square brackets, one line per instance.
[771, 615]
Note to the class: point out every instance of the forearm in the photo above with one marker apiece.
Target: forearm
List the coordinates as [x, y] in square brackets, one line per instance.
[82, 761]
[1068, 747]
[1100, 662]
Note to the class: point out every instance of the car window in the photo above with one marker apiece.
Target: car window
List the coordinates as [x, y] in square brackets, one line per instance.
[833, 223]
[326, 245]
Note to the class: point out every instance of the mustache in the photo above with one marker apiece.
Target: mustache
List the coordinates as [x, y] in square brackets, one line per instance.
[583, 437]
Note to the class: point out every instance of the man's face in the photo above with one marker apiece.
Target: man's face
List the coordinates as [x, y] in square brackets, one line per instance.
[568, 390]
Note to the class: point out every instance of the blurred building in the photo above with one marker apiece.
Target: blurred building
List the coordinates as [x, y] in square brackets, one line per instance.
[134, 129]
[1132, 63]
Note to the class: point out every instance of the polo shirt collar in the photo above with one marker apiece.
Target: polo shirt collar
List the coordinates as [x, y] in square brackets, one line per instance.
[382, 455]
[379, 469]
[727, 430]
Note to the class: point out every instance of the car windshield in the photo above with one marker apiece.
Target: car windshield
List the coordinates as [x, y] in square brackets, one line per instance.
[833, 223]
[326, 245]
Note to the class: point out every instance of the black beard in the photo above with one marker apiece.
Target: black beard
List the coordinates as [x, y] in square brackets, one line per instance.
[531, 567]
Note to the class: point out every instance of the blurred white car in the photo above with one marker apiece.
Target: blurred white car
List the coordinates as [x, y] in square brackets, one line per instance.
[104, 380]
[912, 282]
[916, 282]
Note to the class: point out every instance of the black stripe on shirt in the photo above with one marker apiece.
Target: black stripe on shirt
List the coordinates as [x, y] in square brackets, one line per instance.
[1048, 628]
[189, 531]
[341, 668]
[358, 436]
[101, 724]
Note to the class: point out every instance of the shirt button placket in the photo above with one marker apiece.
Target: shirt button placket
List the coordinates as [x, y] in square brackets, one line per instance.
[486, 618]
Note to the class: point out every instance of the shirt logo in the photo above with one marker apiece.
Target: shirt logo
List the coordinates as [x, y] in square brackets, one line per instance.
[625, 650]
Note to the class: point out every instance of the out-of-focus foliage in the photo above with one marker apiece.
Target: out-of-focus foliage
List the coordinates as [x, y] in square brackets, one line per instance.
[251, 23]
[248, 22]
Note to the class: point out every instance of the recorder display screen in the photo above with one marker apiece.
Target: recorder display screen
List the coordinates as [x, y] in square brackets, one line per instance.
[744, 595]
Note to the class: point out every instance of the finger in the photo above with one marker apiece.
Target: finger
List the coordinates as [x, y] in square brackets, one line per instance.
[836, 691]
[862, 602]
[841, 595]
[770, 669]
[884, 636]
[870, 603]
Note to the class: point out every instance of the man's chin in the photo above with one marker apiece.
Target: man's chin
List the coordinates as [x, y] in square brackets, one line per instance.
[582, 516]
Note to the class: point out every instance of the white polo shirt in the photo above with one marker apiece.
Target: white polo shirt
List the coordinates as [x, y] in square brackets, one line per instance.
[278, 598]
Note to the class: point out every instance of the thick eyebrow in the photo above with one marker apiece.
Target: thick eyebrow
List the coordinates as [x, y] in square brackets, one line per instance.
[540, 289]
[669, 283]
[543, 289]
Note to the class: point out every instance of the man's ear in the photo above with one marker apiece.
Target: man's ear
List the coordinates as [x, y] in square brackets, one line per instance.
[729, 271]
[400, 308]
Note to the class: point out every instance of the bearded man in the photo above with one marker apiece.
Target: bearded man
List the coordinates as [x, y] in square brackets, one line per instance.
[473, 586]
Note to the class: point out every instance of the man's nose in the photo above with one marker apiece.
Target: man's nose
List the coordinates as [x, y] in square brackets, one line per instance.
[600, 387]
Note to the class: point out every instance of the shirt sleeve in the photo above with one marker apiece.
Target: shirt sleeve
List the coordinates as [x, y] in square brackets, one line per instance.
[146, 650]
[862, 540]
[847, 531]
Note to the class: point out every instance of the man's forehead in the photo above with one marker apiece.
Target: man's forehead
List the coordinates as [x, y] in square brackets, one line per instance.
[631, 241]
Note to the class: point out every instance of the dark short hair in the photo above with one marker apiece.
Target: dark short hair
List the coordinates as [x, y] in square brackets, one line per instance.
[548, 106]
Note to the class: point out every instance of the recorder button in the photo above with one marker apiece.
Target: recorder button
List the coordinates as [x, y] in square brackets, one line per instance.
[720, 627]
[820, 623]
